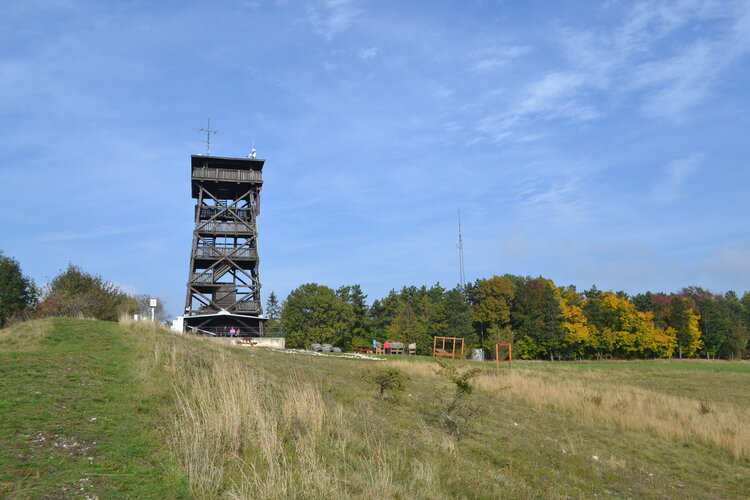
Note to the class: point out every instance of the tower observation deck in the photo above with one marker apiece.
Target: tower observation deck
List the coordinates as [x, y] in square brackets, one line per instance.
[223, 289]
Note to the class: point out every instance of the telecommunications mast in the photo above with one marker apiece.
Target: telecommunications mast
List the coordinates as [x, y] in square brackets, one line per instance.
[460, 245]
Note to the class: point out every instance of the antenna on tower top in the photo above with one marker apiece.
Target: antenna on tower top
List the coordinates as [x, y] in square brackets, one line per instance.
[208, 132]
[252, 151]
[460, 245]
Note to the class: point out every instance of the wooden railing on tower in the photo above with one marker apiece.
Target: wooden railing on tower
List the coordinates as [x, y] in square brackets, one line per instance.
[216, 252]
[221, 174]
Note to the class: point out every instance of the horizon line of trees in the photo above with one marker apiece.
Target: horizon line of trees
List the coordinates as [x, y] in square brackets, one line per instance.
[541, 320]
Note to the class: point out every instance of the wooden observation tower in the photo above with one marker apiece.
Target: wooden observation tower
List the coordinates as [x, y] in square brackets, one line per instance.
[223, 290]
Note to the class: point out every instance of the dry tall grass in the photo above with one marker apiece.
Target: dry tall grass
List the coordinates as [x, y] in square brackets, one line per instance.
[26, 335]
[242, 433]
[595, 398]
[721, 425]
[418, 369]
[130, 323]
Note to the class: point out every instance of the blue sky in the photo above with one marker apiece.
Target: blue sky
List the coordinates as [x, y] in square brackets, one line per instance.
[589, 142]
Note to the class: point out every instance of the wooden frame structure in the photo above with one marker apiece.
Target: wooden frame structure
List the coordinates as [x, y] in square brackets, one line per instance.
[497, 354]
[441, 351]
[223, 289]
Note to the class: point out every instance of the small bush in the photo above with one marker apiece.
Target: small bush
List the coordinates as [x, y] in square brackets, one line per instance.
[457, 409]
[386, 379]
[461, 379]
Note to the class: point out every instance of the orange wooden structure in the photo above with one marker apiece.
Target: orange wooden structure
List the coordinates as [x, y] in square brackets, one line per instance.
[442, 351]
[497, 354]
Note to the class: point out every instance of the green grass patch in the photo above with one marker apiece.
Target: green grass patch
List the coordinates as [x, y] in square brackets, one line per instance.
[76, 419]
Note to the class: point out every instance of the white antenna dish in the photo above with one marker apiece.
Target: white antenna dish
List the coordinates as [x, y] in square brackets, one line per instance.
[252, 151]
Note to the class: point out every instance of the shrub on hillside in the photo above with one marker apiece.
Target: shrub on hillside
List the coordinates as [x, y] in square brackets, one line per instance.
[391, 380]
[456, 408]
[75, 293]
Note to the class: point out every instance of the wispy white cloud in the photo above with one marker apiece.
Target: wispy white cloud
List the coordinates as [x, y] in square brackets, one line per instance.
[547, 92]
[685, 79]
[650, 57]
[557, 95]
[649, 21]
[497, 57]
[330, 17]
[369, 53]
[498, 127]
[443, 92]
[559, 199]
[668, 187]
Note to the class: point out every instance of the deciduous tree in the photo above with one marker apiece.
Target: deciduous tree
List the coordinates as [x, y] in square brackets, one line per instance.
[314, 313]
[577, 333]
[492, 303]
[17, 292]
[685, 323]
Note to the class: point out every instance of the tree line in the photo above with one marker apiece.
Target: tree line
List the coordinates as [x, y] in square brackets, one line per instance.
[72, 293]
[541, 320]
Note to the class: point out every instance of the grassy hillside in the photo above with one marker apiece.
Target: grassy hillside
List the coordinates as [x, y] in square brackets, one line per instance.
[92, 408]
[75, 417]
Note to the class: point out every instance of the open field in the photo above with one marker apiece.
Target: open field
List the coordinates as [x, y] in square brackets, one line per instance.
[99, 409]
